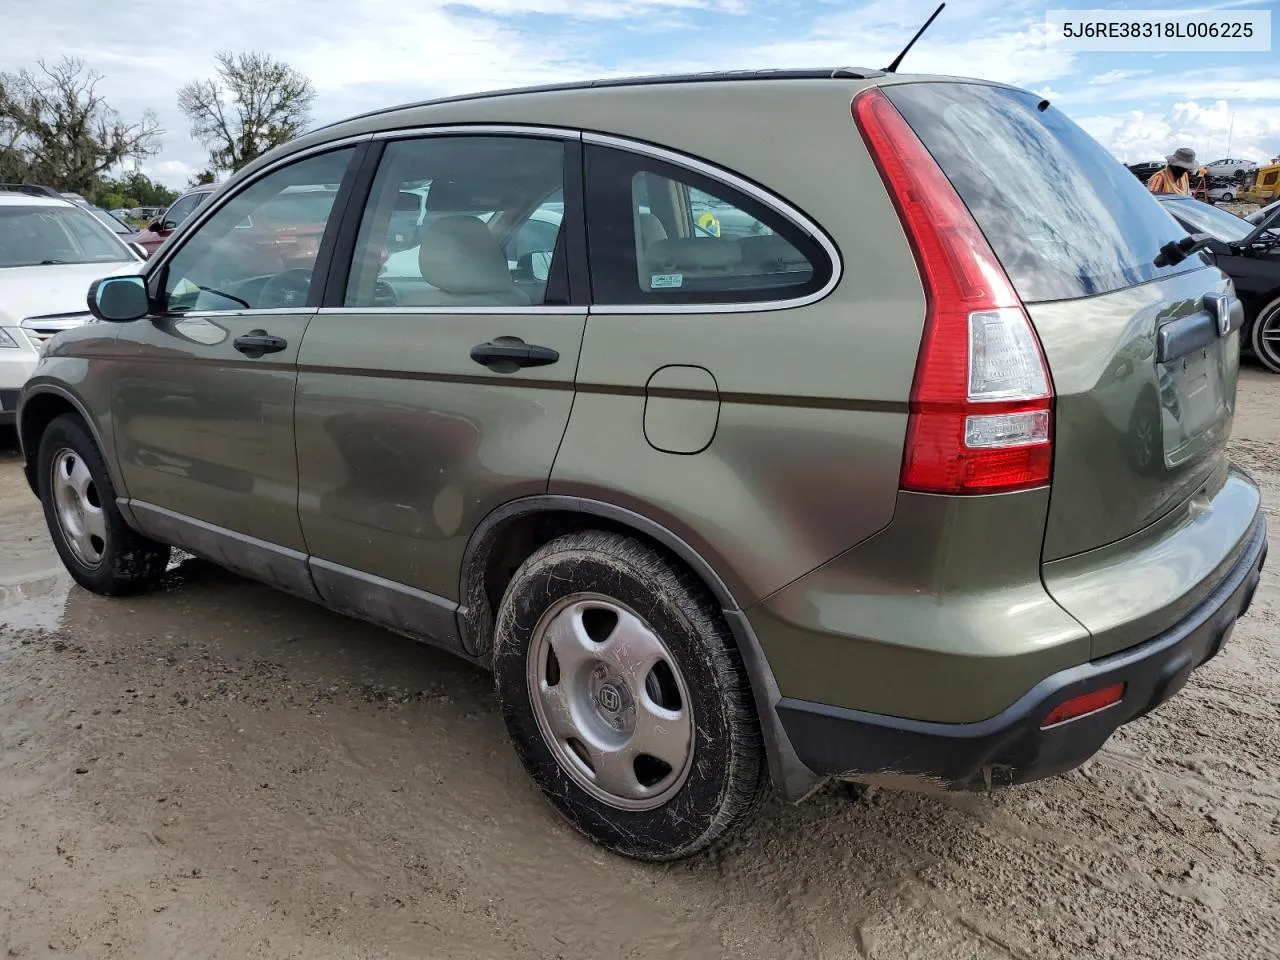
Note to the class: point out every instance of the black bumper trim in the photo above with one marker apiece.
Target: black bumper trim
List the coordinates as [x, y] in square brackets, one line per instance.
[9, 406]
[1011, 747]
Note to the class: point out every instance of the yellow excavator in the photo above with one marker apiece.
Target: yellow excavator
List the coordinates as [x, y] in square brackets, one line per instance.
[1263, 186]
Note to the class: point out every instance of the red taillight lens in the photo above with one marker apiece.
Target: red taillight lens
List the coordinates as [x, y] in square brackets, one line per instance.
[1084, 704]
[981, 402]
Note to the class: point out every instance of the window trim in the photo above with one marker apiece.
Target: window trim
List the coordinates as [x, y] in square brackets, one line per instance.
[156, 271]
[573, 225]
[741, 185]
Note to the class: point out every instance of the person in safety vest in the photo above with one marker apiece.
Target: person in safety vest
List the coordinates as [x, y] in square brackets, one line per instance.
[1176, 175]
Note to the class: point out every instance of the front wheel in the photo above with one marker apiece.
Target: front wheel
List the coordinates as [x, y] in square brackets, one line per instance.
[1265, 338]
[625, 697]
[102, 553]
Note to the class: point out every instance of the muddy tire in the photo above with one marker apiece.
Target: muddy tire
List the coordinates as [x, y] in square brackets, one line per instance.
[101, 551]
[626, 699]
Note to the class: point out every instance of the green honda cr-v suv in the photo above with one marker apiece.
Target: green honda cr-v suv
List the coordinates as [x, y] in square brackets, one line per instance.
[755, 429]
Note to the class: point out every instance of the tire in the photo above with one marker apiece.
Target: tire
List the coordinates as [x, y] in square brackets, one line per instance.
[102, 553]
[693, 704]
[1267, 349]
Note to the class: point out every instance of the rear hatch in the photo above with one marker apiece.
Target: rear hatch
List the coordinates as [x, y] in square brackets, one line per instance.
[1144, 382]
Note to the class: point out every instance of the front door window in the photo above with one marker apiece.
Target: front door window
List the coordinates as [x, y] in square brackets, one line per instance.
[258, 251]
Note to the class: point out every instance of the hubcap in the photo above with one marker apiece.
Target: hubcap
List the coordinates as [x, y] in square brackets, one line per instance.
[78, 509]
[1268, 340]
[610, 702]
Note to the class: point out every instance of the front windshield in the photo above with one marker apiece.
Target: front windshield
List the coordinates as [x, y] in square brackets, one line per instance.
[1222, 226]
[32, 235]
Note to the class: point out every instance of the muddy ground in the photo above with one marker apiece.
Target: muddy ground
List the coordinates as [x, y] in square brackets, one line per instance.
[219, 771]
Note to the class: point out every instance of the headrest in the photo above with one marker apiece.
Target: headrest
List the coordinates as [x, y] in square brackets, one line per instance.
[651, 230]
[459, 255]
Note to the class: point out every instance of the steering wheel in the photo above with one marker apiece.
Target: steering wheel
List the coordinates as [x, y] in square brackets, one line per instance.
[287, 289]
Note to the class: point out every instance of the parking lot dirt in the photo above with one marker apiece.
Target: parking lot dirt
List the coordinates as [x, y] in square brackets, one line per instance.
[216, 770]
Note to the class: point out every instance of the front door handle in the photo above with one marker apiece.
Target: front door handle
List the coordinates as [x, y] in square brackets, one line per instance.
[255, 343]
[511, 353]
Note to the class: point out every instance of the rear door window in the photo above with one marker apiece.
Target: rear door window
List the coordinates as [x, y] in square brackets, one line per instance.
[463, 222]
[1066, 219]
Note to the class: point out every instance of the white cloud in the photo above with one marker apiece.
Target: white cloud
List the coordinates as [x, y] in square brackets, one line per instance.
[1204, 127]
[365, 54]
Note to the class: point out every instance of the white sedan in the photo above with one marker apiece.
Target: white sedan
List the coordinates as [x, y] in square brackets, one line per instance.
[51, 250]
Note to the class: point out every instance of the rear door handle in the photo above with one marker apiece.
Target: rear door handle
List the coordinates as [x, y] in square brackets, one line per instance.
[255, 343]
[513, 352]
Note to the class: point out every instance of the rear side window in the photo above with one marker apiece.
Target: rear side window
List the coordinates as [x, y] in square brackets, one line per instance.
[1066, 219]
[662, 234]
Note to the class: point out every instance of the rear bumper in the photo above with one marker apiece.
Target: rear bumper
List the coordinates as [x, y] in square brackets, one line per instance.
[1012, 747]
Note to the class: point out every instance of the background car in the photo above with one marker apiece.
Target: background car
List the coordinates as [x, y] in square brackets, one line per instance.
[1221, 194]
[1249, 253]
[160, 227]
[1228, 168]
[51, 250]
[1146, 170]
[145, 213]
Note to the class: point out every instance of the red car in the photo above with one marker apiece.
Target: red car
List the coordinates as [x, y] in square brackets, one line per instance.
[158, 230]
[283, 233]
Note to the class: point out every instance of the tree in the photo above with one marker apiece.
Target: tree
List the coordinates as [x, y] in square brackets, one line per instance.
[56, 129]
[254, 104]
[134, 189]
[201, 178]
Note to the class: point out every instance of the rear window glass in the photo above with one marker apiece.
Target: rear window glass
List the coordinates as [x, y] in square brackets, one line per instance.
[1066, 219]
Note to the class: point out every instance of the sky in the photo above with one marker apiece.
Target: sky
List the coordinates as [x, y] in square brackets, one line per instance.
[367, 54]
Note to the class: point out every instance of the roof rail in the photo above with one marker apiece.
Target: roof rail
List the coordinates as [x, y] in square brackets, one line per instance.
[712, 76]
[31, 189]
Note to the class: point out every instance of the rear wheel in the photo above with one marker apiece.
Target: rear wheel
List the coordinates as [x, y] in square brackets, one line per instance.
[101, 551]
[1265, 338]
[625, 697]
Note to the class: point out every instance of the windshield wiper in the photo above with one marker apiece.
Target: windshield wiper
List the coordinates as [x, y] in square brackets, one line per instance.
[225, 296]
[51, 263]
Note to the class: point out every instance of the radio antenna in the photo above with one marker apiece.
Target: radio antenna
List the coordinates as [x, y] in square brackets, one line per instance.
[893, 67]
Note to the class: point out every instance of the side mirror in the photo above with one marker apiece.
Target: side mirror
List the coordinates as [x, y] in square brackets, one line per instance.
[119, 299]
[155, 226]
[139, 249]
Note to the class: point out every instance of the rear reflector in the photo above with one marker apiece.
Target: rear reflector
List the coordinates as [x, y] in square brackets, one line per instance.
[981, 403]
[1084, 705]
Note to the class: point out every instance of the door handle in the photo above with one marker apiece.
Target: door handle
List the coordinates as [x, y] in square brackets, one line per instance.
[513, 352]
[255, 343]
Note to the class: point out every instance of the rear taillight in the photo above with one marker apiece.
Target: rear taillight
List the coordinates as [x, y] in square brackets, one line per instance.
[981, 403]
